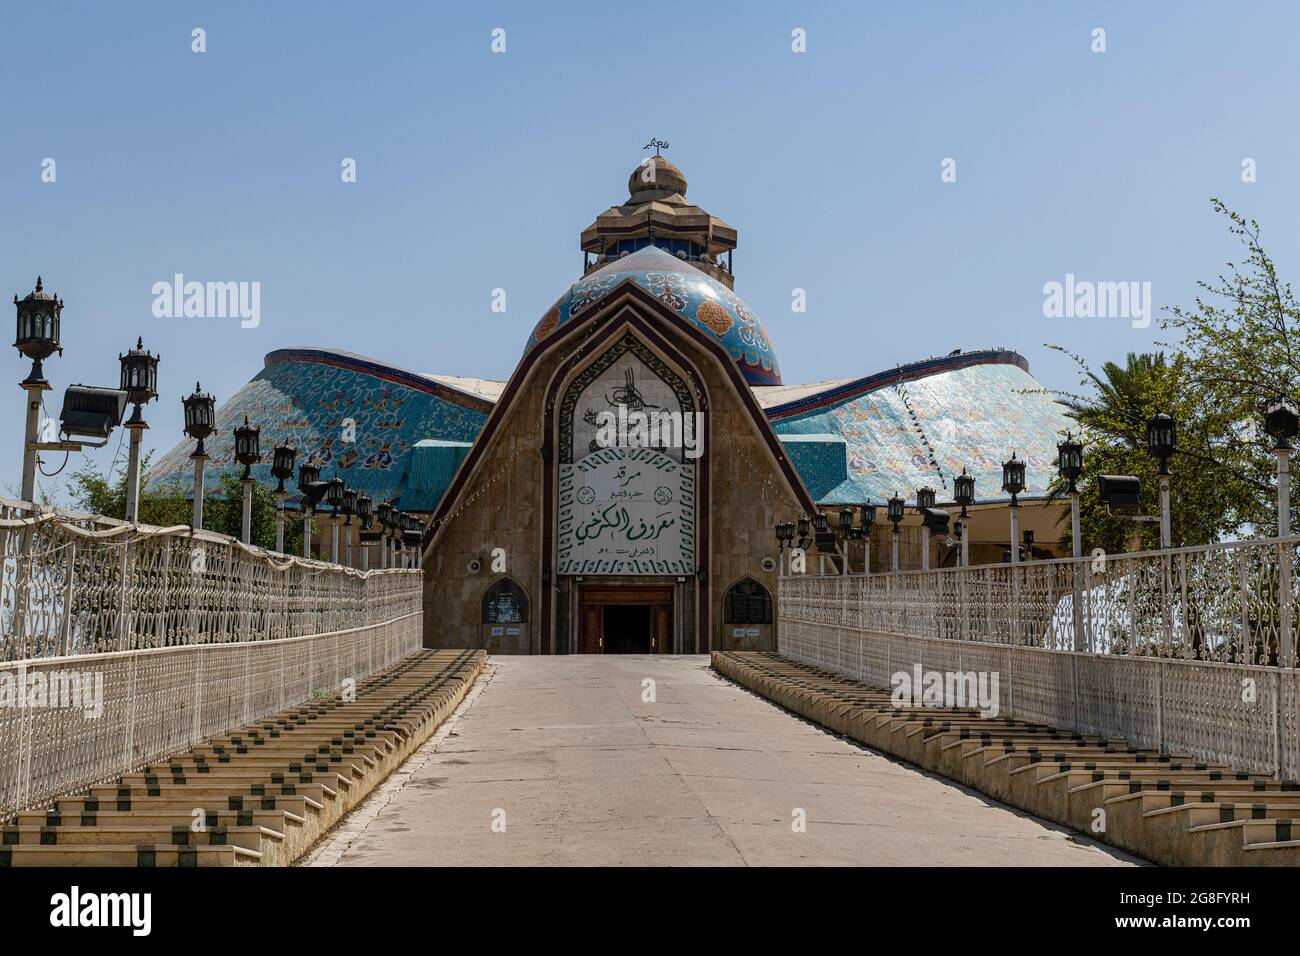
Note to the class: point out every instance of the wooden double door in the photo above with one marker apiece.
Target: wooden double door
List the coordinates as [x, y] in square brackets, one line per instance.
[626, 620]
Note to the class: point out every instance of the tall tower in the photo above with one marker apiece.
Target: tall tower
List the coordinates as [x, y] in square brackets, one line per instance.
[657, 213]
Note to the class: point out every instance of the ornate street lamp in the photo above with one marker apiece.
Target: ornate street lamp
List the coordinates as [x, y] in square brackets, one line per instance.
[868, 521]
[895, 513]
[349, 509]
[248, 451]
[925, 498]
[37, 338]
[1069, 465]
[334, 499]
[364, 534]
[964, 494]
[1162, 443]
[200, 422]
[140, 382]
[1013, 482]
[1282, 423]
[385, 515]
[282, 470]
[313, 489]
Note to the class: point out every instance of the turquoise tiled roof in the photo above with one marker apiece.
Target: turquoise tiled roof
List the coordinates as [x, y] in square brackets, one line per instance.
[307, 396]
[917, 431]
[697, 298]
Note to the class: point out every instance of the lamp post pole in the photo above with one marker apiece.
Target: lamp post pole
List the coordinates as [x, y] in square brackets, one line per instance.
[895, 516]
[200, 461]
[140, 382]
[1282, 421]
[1162, 443]
[38, 320]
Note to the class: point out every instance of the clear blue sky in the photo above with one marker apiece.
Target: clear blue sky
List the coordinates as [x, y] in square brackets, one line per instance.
[478, 170]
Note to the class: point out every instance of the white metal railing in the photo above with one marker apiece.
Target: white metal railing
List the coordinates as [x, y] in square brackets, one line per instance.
[1176, 650]
[121, 644]
[77, 584]
[1228, 602]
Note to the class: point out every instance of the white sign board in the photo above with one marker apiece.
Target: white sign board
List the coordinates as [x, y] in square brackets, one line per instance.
[627, 511]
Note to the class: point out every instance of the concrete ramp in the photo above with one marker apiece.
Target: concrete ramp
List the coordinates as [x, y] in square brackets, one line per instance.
[620, 760]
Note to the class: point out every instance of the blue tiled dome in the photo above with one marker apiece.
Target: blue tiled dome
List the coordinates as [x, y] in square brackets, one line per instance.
[696, 297]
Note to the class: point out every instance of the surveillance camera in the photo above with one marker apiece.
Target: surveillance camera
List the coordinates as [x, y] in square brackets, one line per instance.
[769, 564]
[474, 566]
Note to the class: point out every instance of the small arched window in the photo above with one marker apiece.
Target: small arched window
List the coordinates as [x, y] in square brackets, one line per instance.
[747, 602]
[505, 603]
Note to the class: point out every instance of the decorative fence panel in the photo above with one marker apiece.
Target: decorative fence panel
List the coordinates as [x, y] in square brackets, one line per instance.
[1179, 650]
[122, 644]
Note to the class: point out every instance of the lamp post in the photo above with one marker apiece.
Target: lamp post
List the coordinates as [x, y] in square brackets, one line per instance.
[248, 450]
[37, 337]
[924, 502]
[1162, 443]
[200, 418]
[334, 499]
[282, 470]
[349, 509]
[140, 382]
[1013, 482]
[385, 515]
[847, 532]
[964, 494]
[1069, 464]
[312, 489]
[1282, 422]
[868, 522]
[364, 534]
[896, 505]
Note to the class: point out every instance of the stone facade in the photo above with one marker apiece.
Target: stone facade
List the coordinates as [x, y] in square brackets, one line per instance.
[499, 503]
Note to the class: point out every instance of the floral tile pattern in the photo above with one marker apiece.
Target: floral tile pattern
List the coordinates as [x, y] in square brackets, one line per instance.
[696, 297]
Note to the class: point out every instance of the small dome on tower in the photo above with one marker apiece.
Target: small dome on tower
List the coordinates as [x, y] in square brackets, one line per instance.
[655, 178]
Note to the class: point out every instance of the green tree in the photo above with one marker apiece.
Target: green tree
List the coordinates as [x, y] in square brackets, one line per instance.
[1207, 499]
[1240, 345]
[97, 493]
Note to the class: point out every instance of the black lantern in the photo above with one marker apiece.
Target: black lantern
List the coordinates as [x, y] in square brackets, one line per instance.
[1281, 421]
[334, 493]
[896, 505]
[385, 514]
[963, 488]
[1162, 440]
[1013, 476]
[37, 335]
[868, 519]
[308, 475]
[349, 503]
[924, 499]
[139, 378]
[364, 504]
[1069, 461]
[282, 465]
[200, 418]
[846, 521]
[822, 532]
[803, 526]
[248, 447]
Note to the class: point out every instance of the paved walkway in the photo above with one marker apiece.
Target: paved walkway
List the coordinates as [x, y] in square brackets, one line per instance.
[580, 770]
